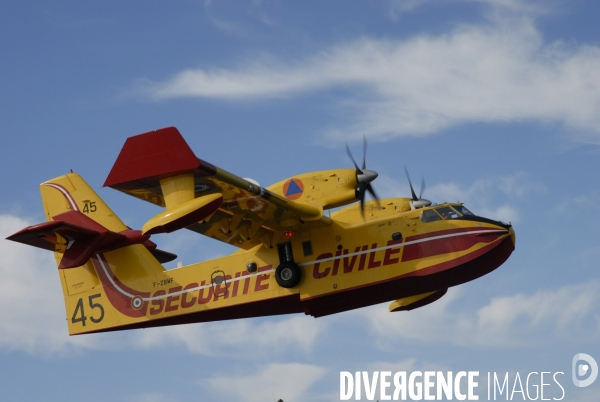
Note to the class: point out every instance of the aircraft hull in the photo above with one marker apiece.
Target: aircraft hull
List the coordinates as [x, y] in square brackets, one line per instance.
[446, 274]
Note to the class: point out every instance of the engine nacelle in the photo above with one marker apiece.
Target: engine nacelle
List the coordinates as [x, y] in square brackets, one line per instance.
[325, 188]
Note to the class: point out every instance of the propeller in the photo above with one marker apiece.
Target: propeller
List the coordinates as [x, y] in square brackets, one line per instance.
[417, 202]
[364, 177]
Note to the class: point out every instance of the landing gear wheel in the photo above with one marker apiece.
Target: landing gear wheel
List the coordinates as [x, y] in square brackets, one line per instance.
[288, 274]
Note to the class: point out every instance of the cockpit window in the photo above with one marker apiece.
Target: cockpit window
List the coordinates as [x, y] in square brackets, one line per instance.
[439, 213]
[430, 216]
[447, 213]
[462, 210]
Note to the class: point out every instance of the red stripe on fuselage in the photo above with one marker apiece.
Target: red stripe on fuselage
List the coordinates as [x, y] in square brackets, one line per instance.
[453, 244]
[119, 300]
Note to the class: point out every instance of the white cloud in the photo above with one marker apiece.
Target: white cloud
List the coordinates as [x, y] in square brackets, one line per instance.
[242, 338]
[32, 315]
[520, 320]
[288, 382]
[499, 72]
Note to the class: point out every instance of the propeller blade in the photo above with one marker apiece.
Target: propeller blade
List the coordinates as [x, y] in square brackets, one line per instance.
[370, 190]
[352, 159]
[364, 178]
[364, 166]
[414, 196]
[422, 188]
[360, 194]
[362, 206]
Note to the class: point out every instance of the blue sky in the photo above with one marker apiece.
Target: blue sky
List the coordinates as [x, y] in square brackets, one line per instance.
[495, 102]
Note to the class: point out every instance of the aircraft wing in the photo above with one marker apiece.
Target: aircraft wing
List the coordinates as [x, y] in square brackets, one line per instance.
[248, 214]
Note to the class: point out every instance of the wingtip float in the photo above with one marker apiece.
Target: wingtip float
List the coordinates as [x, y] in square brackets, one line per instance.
[292, 258]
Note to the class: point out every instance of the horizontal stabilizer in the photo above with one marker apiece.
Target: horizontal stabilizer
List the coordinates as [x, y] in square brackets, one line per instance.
[43, 235]
[160, 255]
[82, 238]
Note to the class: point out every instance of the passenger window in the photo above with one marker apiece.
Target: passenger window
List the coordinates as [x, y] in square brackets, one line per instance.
[430, 216]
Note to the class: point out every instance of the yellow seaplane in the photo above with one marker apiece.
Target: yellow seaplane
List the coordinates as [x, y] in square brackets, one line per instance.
[294, 254]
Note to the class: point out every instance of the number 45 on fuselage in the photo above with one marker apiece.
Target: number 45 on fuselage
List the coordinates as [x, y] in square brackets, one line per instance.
[292, 257]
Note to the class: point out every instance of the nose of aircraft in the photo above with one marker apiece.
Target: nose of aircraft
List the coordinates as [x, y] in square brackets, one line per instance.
[512, 236]
[509, 228]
